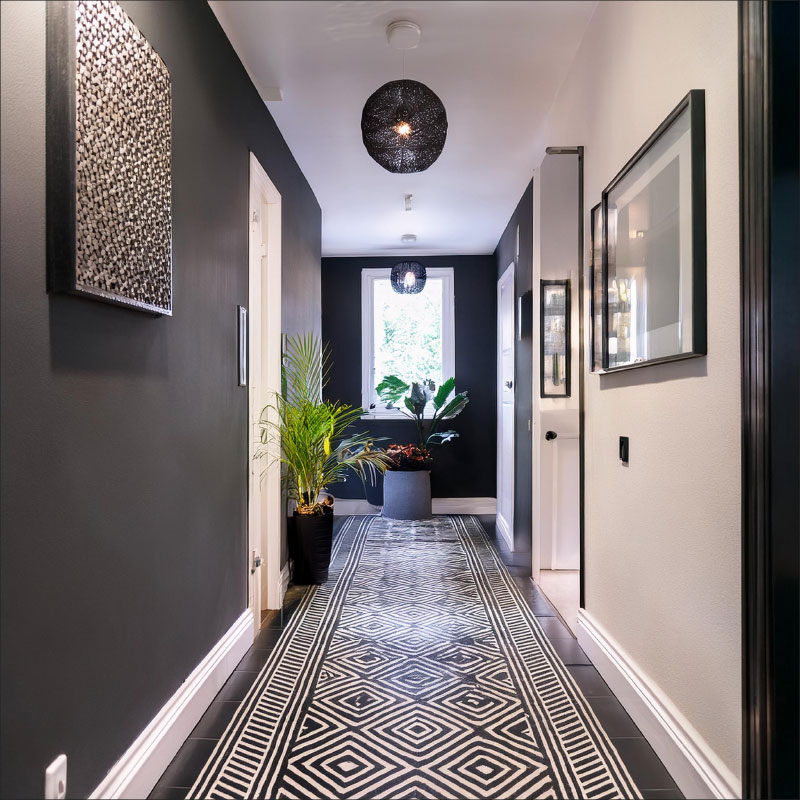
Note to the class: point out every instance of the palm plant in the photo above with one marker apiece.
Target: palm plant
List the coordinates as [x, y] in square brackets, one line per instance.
[307, 434]
[391, 389]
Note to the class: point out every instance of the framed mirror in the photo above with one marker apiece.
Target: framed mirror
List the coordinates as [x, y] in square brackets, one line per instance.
[654, 246]
[554, 339]
[596, 326]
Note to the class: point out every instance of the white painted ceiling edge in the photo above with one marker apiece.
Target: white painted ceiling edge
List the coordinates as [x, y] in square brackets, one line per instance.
[497, 67]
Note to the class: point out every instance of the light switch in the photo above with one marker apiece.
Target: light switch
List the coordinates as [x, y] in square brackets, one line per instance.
[623, 449]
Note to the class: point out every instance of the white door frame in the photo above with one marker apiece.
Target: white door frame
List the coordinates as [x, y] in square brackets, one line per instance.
[264, 361]
[506, 532]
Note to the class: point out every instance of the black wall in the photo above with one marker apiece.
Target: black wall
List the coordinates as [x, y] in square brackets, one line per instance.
[504, 254]
[465, 467]
[124, 474]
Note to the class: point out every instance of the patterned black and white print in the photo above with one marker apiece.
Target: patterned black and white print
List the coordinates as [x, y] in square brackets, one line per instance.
[417, 671]
[123, 141]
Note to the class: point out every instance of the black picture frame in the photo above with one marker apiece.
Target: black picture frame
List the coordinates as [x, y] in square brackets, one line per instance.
[596, 305]
[543, 330]
[63, 186]
[694, 104]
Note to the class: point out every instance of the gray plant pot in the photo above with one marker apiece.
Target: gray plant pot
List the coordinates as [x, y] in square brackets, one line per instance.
[407, 495]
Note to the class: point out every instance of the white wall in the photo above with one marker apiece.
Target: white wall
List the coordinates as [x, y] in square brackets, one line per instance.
[663, 535]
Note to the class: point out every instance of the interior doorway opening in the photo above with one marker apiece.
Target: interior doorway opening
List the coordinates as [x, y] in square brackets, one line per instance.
[266, 587]
[557, 541]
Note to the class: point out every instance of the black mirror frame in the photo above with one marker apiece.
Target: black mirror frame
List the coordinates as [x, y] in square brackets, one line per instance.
[567, 337]
[695, 102]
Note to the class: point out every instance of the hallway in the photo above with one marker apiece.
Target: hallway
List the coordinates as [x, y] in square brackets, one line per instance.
[417, 670]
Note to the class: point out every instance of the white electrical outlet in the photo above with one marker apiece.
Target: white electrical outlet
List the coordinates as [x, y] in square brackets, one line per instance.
[55, 779]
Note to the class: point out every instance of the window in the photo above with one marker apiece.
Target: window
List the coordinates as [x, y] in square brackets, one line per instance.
[408, 335]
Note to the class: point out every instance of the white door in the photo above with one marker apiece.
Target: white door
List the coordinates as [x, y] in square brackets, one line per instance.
[505, 406]
[264, 368]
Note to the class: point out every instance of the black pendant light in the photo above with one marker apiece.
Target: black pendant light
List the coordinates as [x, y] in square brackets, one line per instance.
[404, 126]
[408, 277]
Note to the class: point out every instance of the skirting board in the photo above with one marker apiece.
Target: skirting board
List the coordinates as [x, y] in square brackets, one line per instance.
[139, 769]
[441, 505]
[690, 761]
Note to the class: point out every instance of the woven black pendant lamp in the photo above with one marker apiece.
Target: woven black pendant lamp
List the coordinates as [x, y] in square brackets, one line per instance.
[408, 277]
[404, 126]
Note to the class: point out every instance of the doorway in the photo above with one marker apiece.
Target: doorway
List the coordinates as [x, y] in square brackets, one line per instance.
[266, 588]
[505, 406]
[556, 548]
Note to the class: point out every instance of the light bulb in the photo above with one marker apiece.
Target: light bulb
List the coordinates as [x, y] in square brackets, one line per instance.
[410, 280]
[402, 129]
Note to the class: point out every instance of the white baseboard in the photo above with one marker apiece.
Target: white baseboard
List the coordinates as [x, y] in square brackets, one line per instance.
[285, 574]
[139, 769]
[691, 762]
[441, 505]
[504, 532]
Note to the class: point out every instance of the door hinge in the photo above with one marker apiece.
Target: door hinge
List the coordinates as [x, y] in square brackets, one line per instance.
[256, 562]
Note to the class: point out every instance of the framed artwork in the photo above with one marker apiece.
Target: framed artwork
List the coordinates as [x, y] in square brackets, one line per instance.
[554, 339]
[654, 246]
[596, 326]
[109, 159]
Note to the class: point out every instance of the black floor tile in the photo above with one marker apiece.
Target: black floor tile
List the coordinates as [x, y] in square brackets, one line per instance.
[213, 723]
[267, 638]
[569, 651]
[237, 686]
[613, 717]
[254, 659]
[169, 792]
[554, 628]
[644, 765]
[188, 762]
[589, 681]
[662, 794]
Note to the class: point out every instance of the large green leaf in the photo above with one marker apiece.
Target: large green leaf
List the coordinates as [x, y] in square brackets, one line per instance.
[391, 389]
[441, 437]
[444, 392]
[455, 406]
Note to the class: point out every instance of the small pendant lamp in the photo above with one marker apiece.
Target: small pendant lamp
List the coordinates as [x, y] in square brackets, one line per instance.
[408, 277]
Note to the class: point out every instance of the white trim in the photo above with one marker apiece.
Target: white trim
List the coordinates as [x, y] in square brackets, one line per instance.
[144, 762]
[441, 505]
[264, 363]
[503, 525]
[689, 759]
[285, 575]
[368, 277]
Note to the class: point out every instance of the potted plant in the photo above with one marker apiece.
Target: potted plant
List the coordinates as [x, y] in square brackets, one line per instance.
[407, 482]
[307, 435]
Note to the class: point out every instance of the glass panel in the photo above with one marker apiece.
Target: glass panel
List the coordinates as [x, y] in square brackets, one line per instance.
[650, 253]
[408, 333]
[597, 288]
[555, 365]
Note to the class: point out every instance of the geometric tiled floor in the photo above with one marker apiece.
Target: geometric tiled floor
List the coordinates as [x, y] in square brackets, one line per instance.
[644, 766]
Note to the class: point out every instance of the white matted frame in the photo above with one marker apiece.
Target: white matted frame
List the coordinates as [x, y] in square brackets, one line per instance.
[368, 378]
[264, 496]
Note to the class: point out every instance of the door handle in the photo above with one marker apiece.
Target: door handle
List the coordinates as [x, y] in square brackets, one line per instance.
[509, 384]
[550, 435]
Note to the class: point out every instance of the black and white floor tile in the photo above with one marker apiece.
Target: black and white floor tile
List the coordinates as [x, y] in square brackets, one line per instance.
[419, 670]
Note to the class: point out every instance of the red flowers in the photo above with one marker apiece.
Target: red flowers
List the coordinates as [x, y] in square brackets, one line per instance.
[408, 457]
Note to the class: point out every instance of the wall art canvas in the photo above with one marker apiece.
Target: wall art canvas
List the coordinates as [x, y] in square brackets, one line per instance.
[555, 339]
[109, 154]
[654, 246]
[596, 289]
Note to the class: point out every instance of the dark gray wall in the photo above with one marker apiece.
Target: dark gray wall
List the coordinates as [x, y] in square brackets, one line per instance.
[505, 254]
[124, 475]
[465, 467]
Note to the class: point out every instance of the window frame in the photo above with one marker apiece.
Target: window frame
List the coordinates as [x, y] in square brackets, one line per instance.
[368, 277]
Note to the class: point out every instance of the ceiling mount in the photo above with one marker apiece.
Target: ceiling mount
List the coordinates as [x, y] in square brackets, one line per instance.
[403, 34]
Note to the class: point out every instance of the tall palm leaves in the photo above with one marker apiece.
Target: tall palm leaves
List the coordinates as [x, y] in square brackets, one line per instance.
[307, 434]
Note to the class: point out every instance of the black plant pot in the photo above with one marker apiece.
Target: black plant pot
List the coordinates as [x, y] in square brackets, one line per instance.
[310, 537]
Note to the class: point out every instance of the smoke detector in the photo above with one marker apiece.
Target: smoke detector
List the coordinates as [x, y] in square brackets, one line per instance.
[403, 35]
[408, 238]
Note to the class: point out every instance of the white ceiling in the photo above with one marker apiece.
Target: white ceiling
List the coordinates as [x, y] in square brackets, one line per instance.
[496, 66]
